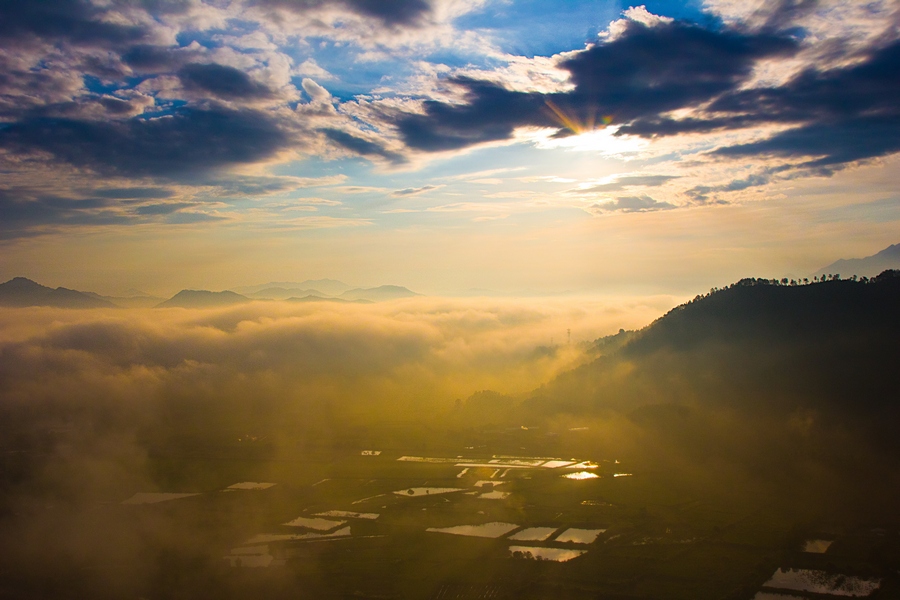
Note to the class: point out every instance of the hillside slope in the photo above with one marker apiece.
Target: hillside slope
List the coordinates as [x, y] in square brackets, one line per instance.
[21, 292]
[756, 347]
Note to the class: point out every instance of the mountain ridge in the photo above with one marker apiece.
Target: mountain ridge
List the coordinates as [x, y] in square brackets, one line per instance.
[23, 292]
[869, 266]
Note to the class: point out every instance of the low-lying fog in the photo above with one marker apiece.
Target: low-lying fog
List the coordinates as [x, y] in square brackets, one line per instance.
[419, 352]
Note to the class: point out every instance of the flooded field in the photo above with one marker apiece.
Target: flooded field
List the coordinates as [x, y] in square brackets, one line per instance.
[485, 530]
[408, 523]
[817, 546]
[821, 582]
[155, 497]
[539, 553]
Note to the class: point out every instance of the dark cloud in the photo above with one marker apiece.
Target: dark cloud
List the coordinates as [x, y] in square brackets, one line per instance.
[490, 113]
[651, 70]
[183, 217]
[359, 145]
[846, 114]
[24, 213]
[781, 14]
[132, 193]
[701, 193]
[833, 144]
[76, 21]
[390, 12]
[222, 81]
[181, 145]
[631, 181]
[644, 72]
[413, 191]
[146, 57]
[630, 204]
[165, 208]
[867, 88]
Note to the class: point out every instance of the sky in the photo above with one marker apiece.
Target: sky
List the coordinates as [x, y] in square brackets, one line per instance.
[451, 146]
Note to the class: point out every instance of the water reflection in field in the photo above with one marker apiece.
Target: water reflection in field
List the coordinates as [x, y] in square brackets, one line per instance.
[822, 582]
[426, 491]
[538, 553]
[817, 546]
[318, 524]
[579, 536]
[533, 534]
[485, 530]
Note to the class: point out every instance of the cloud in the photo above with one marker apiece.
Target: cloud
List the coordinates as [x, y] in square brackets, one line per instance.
[644, 72]
[632, 204]
[24, 213]
[221, 81]
[414, 191]
[132, 192]
[165, 208]
[628, 181]
[75, 21]
[361, 146]
[395, 12]
[187, 142]
[846, 114]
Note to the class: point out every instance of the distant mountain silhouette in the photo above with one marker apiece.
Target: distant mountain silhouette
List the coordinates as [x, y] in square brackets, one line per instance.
[25, 292]
[378, 294]
[312, 298]
[889, 258]
[280, 293]
[203, 299]
[138, 300]
[327, 287]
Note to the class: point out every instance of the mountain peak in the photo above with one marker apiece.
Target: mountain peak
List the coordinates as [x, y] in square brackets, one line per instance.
[21, 292]
[203, 299]
[870, 266]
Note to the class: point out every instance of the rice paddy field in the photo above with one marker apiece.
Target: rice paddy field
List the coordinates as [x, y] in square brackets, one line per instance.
[458, 522]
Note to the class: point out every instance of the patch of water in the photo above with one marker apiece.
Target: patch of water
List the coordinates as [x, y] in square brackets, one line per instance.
[426, 491]
[495, 495]
[538, 553]
[425, 459]
[530, 462]
[622, 475]
[817, 546]
[266, 538]
[579, 536]
[485, 530]
[484, 465]
[822, 582]
[463, 472]
[556, 464]
[250, 485]
[533, 534]
[154, 497]
[485, 482]
[370, 453]
[581, 475]
[346, 514]
[317, 524]
[584, 465]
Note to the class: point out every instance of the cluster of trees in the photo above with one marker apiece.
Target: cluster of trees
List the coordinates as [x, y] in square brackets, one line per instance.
[784, 281]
